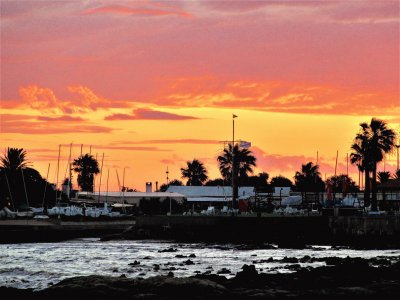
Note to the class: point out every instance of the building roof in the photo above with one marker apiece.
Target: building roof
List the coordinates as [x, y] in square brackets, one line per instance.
[210, 191]
[133, 194]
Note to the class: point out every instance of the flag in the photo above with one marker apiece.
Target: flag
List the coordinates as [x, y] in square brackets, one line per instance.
[234, 116]
[244, 144]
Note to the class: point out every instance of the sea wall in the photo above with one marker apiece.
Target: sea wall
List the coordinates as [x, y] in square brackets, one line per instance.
[280, 229]
[368, 229]
[30, 230]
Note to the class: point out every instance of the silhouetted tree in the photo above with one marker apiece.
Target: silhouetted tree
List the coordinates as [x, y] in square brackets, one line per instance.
[164, 187]
[309, 179]
[383, 176]
[281, 181]
[16, 175]
[259, 181]
[195, 173]
[397, 174]
[86, 166]
[343, 184]
[217, 182]
[244, 163]
[373, 141]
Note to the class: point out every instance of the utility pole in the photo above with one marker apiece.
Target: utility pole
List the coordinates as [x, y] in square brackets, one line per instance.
[233, 164]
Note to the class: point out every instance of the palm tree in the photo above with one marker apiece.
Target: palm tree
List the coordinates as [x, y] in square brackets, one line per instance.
[360, 159]
[373, 141]
[86, 166]
[244, 163]
[195, 173]
[16, 177]
[383, 176]
[14, 159]
[309, 179]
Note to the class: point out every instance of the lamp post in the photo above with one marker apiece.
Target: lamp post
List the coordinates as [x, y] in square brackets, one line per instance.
[398, 146]
[233, 164]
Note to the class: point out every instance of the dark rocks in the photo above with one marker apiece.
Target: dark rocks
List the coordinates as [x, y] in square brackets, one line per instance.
[188, 262]
[342, 277]
[224, 271]
[168, 250]
[292, 260]
[135, 263]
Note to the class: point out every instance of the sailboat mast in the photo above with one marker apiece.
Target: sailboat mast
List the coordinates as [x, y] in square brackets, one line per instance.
[23, 180]
[45, 185]
[108, 175]
[101, 173]
[58, 169]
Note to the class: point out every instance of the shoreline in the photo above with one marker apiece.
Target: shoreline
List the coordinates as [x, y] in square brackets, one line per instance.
[368, 278]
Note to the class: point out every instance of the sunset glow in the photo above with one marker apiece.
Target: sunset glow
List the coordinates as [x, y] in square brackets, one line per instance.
[153, 84]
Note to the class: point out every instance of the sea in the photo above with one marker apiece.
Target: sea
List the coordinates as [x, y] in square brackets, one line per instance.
[40, 265]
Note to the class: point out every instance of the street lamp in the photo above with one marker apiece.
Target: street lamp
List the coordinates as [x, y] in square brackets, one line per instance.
[233, 163]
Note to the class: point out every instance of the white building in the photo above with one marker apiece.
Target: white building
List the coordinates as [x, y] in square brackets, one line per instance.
[211, 193]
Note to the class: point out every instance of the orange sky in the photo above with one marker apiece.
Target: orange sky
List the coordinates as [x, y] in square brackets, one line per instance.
[153, 84]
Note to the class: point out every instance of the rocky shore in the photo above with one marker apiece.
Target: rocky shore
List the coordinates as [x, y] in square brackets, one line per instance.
[350, 277]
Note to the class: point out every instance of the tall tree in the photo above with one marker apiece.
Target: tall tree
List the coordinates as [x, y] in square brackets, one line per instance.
[164, 187]
[281, 181]
[359, 157]
[195, 173]
[343, 184]
[309, 179]
[374, 141]
[383, 176]
[244, 163]
[19, 181]
[86, 166]
[216, 182]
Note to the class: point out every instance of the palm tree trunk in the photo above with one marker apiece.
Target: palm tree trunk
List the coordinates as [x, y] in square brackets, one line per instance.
[366, 188]
[374, 201]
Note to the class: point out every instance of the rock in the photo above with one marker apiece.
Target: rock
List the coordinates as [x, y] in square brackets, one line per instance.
[192, 255]
[224, 271]
[168, 250]
[135, 263]
[188, 262]
[293, 260]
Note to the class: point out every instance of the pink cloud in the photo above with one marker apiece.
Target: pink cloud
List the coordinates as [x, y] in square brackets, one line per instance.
[148, 114]
[82, 99]
[26, 124]
[61, 119]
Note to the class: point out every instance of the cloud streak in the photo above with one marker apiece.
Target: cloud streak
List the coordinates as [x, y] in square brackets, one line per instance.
[140, 11]
[148, 114]
[27, 124]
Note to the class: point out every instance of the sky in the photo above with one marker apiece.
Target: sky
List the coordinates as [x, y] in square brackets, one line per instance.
[153, 84]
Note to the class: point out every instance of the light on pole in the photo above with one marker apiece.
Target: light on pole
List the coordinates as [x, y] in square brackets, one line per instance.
[233, 164]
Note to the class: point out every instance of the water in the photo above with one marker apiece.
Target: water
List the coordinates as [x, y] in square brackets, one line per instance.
[39, 265]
